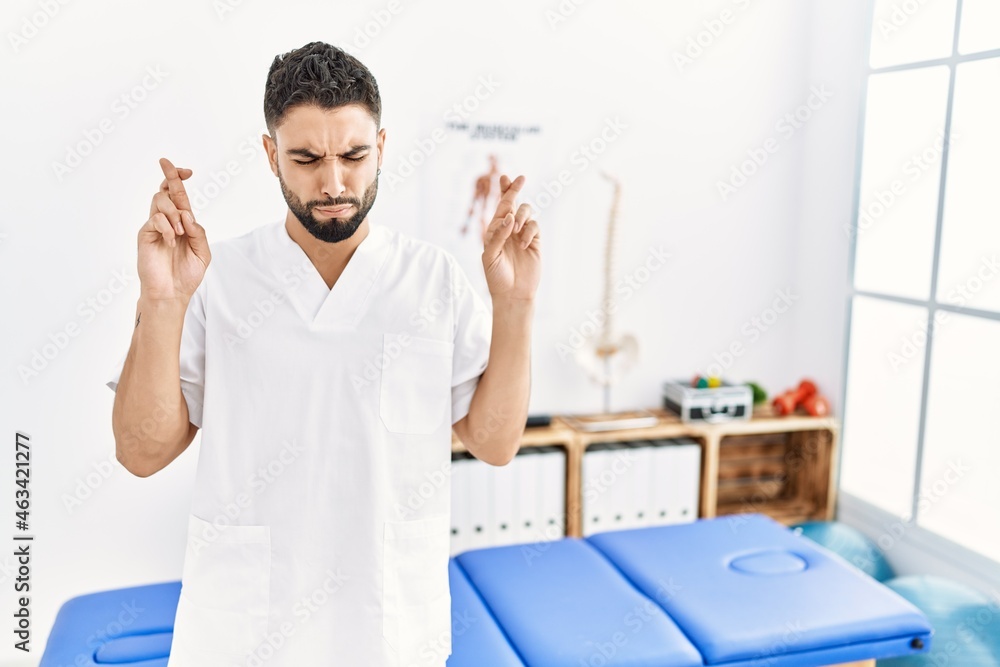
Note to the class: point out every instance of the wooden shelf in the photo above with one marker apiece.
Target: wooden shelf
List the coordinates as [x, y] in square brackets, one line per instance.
[780, 466]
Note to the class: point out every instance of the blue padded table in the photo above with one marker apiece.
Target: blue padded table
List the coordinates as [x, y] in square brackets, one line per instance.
[562, 603]
[733, 591]
[126, 626]
[748, 591]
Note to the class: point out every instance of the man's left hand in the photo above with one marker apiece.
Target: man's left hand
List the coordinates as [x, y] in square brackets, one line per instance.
[512, 253]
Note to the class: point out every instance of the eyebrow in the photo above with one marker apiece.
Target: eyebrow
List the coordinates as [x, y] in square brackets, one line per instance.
[305, 152]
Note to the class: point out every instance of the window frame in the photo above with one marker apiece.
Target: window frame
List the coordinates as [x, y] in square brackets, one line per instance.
[873, 517]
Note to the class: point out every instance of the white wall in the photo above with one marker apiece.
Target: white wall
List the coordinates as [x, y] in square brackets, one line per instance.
[64, 240]
[826, 192]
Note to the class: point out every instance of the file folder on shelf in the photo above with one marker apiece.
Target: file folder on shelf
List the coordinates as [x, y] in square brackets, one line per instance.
[592, 489]
[461, 517]
[523, 501]
[505, 495]
[527, 512]
[552, 492]
[676, 480]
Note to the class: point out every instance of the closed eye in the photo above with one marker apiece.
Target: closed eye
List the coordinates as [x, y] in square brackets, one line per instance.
[352, 159]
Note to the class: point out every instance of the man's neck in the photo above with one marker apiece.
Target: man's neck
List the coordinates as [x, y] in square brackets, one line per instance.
[330, 259]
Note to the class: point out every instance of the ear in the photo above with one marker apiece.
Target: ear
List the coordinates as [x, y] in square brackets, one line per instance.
[380, 144]
[271, 149]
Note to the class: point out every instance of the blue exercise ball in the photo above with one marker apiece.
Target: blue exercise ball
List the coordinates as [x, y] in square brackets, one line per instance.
[850, 544]
[966, 623]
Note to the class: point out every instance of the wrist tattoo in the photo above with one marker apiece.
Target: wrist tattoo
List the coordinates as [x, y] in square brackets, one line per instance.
[137, 318]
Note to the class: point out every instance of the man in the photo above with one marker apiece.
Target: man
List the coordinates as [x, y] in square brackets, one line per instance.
[321, 355]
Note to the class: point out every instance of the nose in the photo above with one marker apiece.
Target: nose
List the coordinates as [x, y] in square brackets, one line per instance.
[332, 178]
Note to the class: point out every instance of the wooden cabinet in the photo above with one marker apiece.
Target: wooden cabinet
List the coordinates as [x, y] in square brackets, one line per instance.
[783, 467]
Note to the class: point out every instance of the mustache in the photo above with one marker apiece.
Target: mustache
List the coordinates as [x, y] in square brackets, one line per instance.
[339, 202]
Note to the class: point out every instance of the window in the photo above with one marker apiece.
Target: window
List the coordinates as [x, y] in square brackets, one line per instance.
[921, 433]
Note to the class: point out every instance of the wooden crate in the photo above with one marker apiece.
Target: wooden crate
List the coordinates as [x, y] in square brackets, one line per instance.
[786, 475]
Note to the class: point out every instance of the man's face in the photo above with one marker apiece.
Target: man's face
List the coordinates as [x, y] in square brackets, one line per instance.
[327, 158]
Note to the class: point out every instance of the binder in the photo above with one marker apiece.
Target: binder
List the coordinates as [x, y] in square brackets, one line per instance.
[552, 492]
[636, 483]
[505, 492]
[641, 481]
[676, 480]
[596, 488]
[663, 493]
[688, 479]
[621, 502]
[460, 502]
[480, 504]
[528, 504]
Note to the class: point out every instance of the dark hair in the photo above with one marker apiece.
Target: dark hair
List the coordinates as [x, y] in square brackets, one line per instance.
[318, 74]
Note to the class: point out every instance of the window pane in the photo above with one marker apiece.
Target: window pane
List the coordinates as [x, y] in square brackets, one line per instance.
[884, 376]
[980, 26]
[970, 237]
[900, 180]
[958, 487]
[908, 31]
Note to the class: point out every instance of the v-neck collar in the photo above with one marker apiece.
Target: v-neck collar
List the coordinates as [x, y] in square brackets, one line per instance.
[318, 305]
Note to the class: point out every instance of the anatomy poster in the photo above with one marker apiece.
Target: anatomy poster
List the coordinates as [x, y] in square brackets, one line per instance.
[465, 181]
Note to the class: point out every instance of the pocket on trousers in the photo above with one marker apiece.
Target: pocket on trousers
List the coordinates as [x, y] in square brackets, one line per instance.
[225, 590]
[416, 600]
[415, 391]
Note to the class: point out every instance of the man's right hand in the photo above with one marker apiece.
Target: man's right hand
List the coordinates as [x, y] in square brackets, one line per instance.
[173, 249]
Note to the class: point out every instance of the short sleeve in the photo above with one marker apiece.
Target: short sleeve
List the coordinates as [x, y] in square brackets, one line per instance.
[192, 357]
[472, 336]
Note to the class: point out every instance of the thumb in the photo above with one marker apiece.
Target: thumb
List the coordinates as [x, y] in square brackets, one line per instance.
[195, 234]
[499, 238]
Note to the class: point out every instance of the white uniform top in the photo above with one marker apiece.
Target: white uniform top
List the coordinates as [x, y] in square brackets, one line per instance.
[319, 527]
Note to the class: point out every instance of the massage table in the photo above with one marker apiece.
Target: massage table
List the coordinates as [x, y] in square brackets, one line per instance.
[734, 591]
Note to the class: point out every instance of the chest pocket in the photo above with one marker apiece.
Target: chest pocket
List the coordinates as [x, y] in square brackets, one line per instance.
[415, 391]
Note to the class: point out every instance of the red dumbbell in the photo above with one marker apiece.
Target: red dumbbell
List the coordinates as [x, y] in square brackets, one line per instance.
[817, 406]
[786, 403]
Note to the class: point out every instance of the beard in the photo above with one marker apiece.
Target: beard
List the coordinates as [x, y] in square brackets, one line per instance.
[332, 230]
